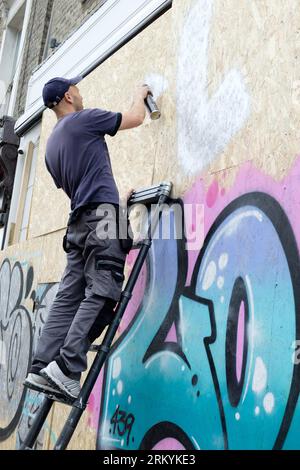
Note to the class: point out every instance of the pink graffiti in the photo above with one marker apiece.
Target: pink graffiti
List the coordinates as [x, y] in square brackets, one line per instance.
[169, 443]
[248, 179]
[215, 199]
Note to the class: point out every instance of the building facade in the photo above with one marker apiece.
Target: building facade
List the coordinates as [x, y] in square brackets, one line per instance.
[206, 355]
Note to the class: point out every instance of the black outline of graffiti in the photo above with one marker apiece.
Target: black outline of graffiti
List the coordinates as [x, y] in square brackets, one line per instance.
[33, 400]
[273, 210]
[15, 341]
[26, 404]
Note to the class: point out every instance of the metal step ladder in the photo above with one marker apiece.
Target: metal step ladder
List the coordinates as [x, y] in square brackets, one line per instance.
[156, 196]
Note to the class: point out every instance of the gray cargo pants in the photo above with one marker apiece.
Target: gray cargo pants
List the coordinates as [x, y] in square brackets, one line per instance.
[89, 289]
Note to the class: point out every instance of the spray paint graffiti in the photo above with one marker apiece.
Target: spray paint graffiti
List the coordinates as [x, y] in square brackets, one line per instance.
[20, 329]
[213, 333]
[43, 299]
[16, 336]
[205, 125]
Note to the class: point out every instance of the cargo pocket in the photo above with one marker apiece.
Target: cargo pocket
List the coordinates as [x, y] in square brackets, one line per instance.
[66, 244]
[109, 277]
[92, 241]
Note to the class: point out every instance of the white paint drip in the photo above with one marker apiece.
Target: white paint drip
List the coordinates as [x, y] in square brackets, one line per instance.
[117, 367]
[269, 402]
[129, 399]
[209, 276]
[257, 410]
[206, 124]
[260, 376]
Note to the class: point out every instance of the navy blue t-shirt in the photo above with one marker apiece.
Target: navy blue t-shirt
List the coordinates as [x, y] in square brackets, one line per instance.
[77, 156]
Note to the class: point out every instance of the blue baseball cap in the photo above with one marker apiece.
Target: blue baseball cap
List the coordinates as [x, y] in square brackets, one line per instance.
[54, 89]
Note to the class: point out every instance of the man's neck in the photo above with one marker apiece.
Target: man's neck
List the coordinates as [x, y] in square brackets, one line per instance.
[61, 116]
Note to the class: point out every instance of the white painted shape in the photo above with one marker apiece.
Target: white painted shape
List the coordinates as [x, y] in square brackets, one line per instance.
[117, 367]
[269, 402]
[205, 124]
[257, 410]
[120, 387]
[260, 376]
[209, 276]
[223, 261]
[250, 332]
[220, 282]
[157, 83]
[237, 416]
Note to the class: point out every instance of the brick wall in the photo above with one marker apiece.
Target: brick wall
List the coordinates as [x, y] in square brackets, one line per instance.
[68, 16]
[33, 48]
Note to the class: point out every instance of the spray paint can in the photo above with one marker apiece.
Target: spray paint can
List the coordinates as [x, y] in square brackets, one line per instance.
[152, 107]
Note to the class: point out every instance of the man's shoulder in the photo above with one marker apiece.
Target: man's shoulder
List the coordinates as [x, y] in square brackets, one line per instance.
[92, 111]
[83, 114]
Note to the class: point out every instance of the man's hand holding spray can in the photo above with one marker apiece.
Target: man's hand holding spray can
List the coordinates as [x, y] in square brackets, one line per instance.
[151, 106]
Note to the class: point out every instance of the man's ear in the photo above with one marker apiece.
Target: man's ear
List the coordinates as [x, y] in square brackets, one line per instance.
[68, 97]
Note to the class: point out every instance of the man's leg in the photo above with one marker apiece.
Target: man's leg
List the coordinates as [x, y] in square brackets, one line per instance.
[94, 314]
[103, 270]
[64, 307]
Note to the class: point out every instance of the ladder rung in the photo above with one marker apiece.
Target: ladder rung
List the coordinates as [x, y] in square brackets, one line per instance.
[137, 245]
[59, 398]
[94, 348]
[151, 194]
[54, 396]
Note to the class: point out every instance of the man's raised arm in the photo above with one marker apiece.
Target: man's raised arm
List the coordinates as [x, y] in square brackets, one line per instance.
[136, 115]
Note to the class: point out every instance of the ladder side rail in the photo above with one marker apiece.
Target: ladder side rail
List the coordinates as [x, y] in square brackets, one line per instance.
[37, 424]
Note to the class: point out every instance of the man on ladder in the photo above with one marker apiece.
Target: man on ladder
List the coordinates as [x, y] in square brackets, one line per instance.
[78, 160]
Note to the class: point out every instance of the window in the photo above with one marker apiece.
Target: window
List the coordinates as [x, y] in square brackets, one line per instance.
[11, 52]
